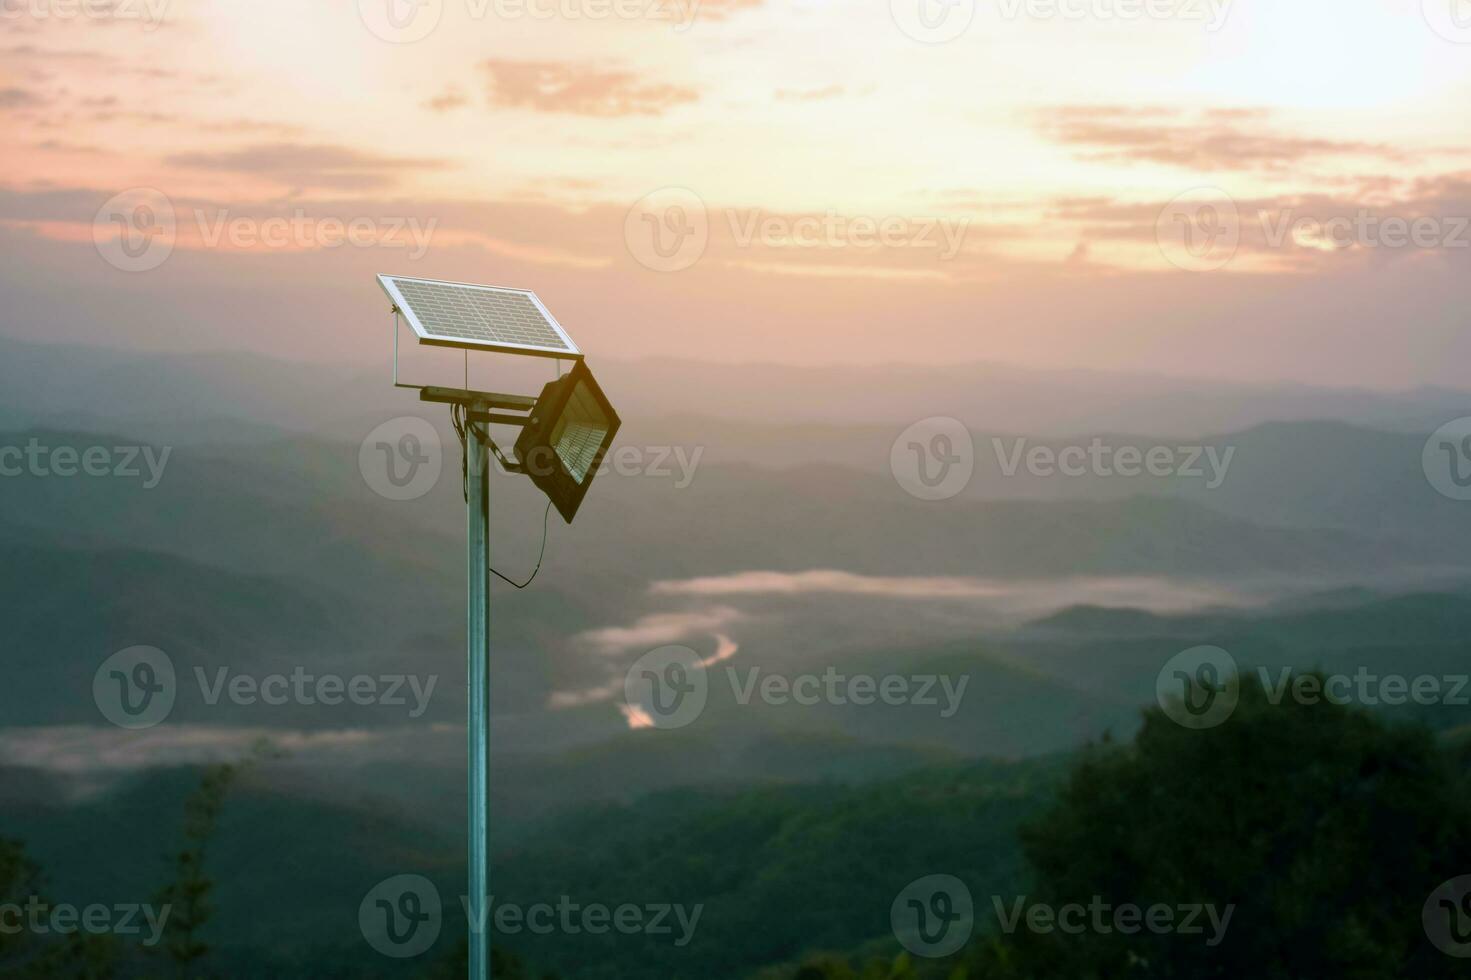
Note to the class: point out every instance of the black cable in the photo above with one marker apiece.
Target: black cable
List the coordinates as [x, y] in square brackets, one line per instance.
[521, 585]
[454, 419]
[462, 430]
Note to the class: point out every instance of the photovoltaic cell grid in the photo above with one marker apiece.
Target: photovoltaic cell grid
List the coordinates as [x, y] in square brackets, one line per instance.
[479, 314]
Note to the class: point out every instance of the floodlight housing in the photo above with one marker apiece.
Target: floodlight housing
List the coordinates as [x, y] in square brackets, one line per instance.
[564, 441]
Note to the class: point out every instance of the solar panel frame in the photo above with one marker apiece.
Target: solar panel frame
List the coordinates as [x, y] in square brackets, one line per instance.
[440, 339]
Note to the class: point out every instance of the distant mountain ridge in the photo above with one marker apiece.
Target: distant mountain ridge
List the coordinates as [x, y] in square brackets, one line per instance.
[156, 393]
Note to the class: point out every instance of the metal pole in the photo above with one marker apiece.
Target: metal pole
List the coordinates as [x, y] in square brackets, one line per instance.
[477, 556]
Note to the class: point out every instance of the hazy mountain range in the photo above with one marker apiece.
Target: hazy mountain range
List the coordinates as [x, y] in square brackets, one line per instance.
[790, 548]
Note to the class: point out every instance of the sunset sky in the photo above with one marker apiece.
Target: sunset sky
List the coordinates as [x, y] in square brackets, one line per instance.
[854, 185]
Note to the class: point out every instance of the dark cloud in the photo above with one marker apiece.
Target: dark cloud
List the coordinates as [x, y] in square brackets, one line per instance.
[563, 87]
[20, 98]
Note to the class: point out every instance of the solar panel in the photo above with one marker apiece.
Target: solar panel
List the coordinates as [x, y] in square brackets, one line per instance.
[458, 314]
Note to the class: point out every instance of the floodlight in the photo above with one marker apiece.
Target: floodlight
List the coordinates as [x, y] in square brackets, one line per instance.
[564, 441]
[493, 318]
[565, 432]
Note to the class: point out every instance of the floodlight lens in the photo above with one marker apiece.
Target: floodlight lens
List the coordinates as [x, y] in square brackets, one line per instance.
[579, 433]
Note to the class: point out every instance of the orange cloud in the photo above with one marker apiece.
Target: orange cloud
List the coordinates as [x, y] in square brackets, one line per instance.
[1209, 140]
[564, 87]
[302, 165]
[809, 95]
